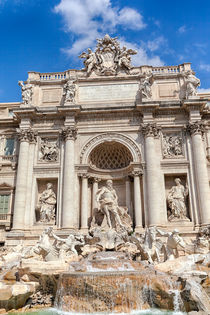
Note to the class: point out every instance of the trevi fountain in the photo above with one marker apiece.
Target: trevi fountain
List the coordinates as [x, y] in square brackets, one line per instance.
[104, 190]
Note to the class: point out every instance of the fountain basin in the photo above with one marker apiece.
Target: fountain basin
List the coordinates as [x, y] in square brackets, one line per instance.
[118, 291]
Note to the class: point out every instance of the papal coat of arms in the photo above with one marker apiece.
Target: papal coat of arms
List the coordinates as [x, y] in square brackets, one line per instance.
[108, 58]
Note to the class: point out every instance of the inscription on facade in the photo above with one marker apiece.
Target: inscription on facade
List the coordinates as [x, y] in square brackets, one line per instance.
[111, 92]
[51, 95]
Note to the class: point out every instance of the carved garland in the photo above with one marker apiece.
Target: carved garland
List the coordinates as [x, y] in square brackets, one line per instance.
[111, 137]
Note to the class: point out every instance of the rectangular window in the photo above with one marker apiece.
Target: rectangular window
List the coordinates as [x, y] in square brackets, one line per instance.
[4, 203]
[9, 147]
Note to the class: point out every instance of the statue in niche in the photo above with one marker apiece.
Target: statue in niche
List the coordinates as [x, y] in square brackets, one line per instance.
[177, 201]
[192, 83]
[26, 92]
[46, 205]
[170, 249]
[172, 146]
[69, 91]
[109, 214]
[145, 87]
[48, 151]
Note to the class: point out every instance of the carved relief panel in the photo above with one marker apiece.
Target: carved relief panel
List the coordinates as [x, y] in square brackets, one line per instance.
[172, 145]
[48, 150]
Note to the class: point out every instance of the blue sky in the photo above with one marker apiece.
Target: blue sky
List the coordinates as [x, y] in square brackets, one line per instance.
[48, 35]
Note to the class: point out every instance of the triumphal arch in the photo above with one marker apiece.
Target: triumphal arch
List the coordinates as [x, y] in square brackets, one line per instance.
[143, 130]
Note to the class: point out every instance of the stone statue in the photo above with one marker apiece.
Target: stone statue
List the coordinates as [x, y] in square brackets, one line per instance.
[148, 245]
[48, 151]
[108, 58]
[69, 91]
[44, 246]
[202, 243]
[46, 205]
[177, 201]
[66, 247]
[145, 86]
[124, 59]
[172, 146]
[90, 61]
[26, 92]
[174, 240]
[108, 203]
[192, 84]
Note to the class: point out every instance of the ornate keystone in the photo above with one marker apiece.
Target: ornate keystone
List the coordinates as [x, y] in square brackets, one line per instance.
[150, 130]
[69, 133]
[195, 128]
[28, 135]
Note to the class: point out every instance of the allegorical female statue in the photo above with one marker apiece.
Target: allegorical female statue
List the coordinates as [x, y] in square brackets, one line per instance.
[177, 201]
[46, 205]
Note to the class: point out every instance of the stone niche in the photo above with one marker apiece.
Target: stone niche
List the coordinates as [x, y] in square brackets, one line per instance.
[169, 184]
[120, 186]
[46, 201]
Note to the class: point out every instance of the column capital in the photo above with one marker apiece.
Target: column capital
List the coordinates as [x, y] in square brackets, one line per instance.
[136, 172]
[197, 127]
[69, 133]
[27, 135]
[84, 175]
[96, 179]
[150, 130]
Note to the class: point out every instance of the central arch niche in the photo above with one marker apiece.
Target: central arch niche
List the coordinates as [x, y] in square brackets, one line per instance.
[110, 155]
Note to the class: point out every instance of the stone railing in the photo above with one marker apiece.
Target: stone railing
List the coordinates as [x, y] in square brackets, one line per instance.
[172, 69]
[52, 76]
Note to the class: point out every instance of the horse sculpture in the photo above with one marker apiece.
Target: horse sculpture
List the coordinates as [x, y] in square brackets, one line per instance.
[151, 247]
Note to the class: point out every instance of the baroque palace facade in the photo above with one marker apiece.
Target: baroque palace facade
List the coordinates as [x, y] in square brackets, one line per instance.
[145, 128]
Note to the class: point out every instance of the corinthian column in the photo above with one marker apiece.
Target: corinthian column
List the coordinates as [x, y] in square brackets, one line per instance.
[152, 174]
[25, 136]
[84, 203]
[94, 191]
[69, 217]
[196, 129]
[137, 199]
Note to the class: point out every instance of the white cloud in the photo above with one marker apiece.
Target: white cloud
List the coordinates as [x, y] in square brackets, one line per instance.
[204, 90]
[205, 67]
[156, 43]
[89, 19]
[130, 18]
[182, 29]
[141, 58]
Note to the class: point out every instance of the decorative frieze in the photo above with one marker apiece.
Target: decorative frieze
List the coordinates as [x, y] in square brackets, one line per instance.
[172, 145]
[150, 130]
[28, 135]
[69, 133]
